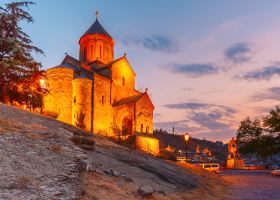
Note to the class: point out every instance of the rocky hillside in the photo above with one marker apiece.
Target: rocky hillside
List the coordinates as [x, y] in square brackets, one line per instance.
[39, 161]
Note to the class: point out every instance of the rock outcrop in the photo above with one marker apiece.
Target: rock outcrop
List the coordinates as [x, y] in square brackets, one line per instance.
[38, 160]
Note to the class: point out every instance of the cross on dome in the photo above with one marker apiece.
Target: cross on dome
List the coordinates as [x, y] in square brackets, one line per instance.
[97, 14]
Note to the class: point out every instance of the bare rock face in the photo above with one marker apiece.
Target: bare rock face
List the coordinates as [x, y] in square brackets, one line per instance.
[145, 190]
[38, 160]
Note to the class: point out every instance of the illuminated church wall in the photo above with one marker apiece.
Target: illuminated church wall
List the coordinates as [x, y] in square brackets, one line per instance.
[144, 115]
[59, 101]
[102, 107]
[123, 80]
[82, 103]
[124, 111]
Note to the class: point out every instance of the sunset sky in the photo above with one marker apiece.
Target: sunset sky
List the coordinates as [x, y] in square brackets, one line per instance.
[207, 64]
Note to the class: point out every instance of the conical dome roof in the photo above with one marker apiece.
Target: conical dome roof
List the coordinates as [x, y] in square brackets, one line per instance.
[96, 27]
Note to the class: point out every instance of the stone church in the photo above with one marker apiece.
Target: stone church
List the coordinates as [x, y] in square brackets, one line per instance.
[97, 92]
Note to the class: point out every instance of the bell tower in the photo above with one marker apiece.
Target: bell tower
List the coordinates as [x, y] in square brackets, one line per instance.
[96, 44]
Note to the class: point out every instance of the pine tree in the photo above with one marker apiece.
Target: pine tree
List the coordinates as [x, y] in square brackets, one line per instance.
[16, 61]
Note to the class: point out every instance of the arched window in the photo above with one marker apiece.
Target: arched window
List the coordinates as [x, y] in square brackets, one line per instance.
[74, 100]
[123, 81]
[147, 129]
[103, 100]
[142, 128]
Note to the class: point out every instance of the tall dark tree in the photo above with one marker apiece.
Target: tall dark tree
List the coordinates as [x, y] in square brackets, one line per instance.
[272, 124]
[16, 61]
[272, 121]
[249, 136]
[260, 137]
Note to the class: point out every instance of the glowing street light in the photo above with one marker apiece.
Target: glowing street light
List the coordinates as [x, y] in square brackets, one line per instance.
[187, 138]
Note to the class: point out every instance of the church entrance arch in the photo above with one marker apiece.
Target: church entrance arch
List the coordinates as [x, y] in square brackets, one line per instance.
[127, 126]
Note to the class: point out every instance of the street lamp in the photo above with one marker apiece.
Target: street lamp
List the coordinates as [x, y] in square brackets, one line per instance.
[187, 138]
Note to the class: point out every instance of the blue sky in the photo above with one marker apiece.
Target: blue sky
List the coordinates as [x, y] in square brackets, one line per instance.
[207, 64]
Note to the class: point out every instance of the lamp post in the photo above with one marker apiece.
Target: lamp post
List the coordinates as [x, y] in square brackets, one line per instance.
[187, 138]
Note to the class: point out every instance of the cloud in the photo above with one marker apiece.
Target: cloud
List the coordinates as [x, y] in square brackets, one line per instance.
[238, 53]
[194, 70]
[261, 74]
[203, 120]
[210, 120]
[158, 43]
[197, 106]
[272, 93]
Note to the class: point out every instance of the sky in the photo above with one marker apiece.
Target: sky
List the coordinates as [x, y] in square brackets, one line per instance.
[207, 64]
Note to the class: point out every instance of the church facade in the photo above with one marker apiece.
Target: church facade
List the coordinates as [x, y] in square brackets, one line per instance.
[97, 92]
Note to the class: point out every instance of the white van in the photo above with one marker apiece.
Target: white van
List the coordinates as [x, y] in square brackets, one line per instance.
[213, 167]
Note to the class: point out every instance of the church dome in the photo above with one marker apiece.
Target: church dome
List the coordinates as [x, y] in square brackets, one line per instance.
[96, 44]
[97, 28]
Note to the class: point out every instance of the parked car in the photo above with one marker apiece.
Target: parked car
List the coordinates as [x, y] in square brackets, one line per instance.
[276, 171]
[213, 167]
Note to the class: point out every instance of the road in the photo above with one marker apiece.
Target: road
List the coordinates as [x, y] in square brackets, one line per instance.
[253, 184]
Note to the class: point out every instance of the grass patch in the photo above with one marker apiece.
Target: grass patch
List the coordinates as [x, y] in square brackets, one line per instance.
[56, 148]
[35, 136]
[23, 182]
[6, 126]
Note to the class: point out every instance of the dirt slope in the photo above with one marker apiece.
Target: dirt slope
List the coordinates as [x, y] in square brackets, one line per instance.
[38, 161]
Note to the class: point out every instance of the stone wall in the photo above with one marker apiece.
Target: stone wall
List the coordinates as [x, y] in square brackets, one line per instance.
[59, 100]
[103, 114]
[147, 144]
[82, 103]
[144, 115]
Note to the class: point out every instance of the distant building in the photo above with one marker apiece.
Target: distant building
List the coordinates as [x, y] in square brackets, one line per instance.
[97, 92]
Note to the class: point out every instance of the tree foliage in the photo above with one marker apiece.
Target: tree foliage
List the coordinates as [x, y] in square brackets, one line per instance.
[260, 137]
[17, 64]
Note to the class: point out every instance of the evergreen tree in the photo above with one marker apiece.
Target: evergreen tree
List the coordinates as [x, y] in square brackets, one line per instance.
[16, 61]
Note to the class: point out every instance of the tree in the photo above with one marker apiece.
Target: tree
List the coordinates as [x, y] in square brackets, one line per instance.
[272, 121]
[258, 139]
[16, 61]
[249, 136]
[272, 125]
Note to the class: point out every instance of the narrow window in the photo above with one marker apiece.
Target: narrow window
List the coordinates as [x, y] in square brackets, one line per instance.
[100, 51]
[85, 54]
[74, 99]
[123, 81]
[103, 100]
[142, 128]
[147, 129]
[91, 50]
